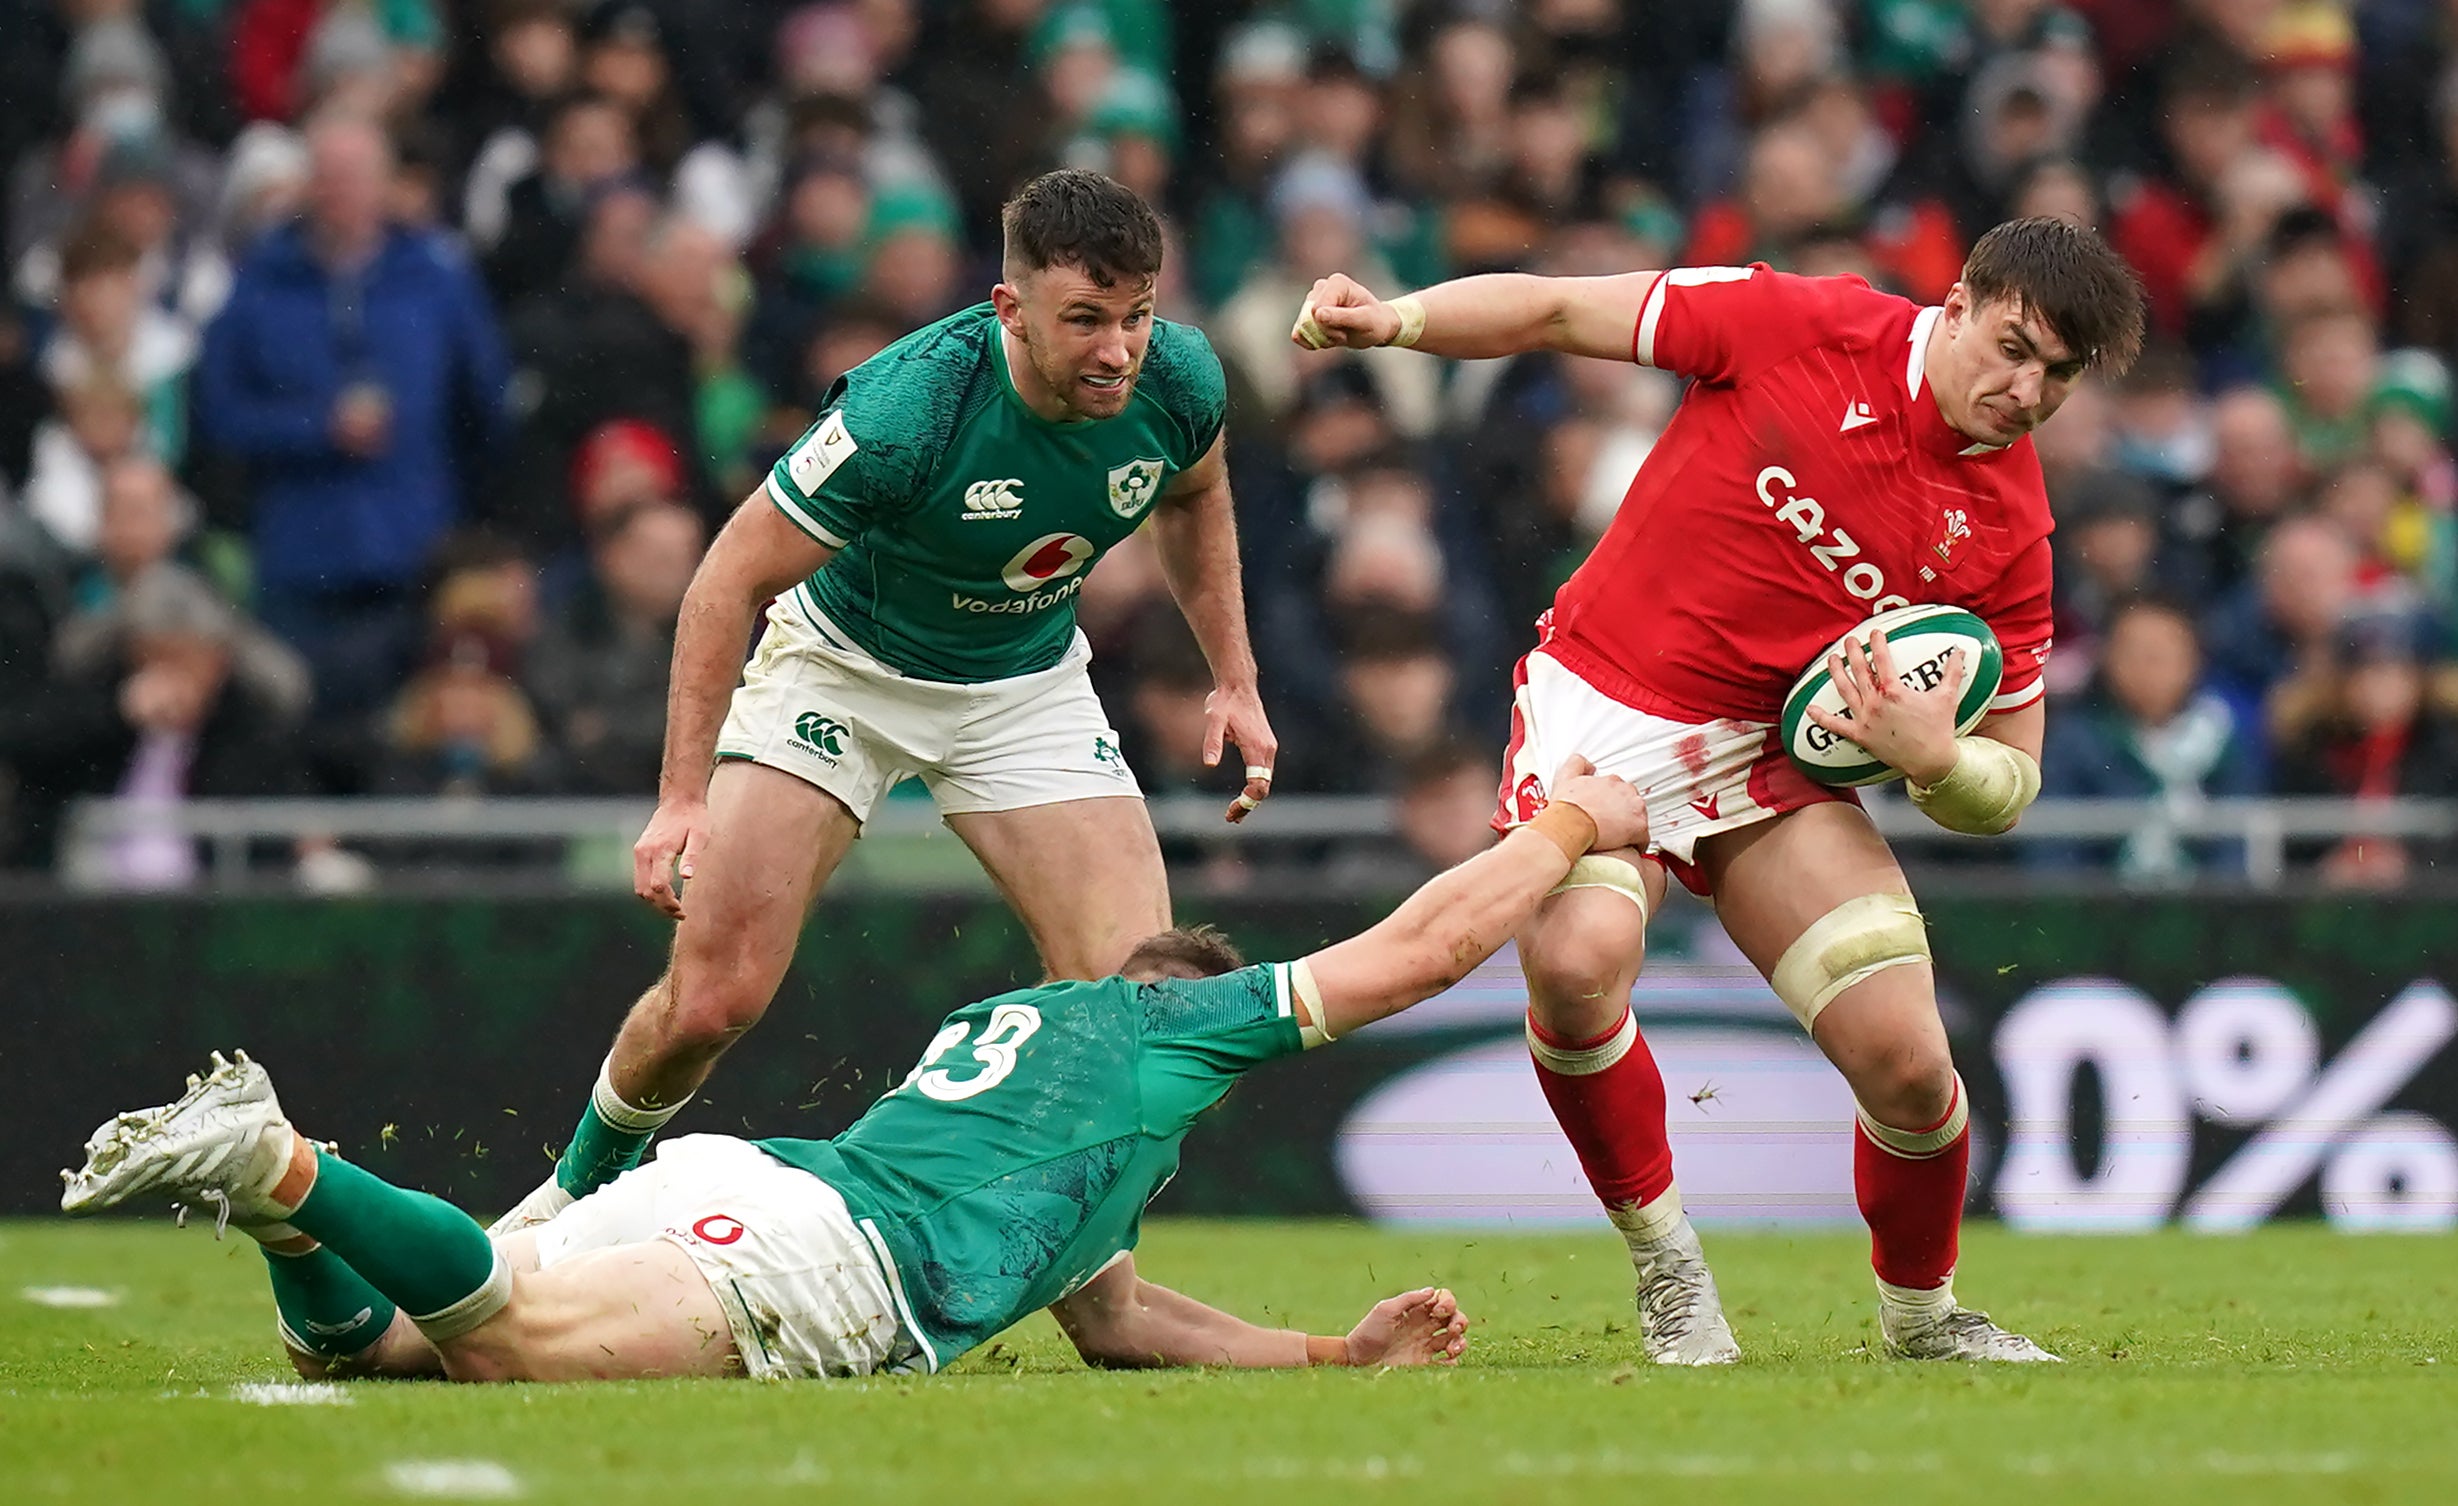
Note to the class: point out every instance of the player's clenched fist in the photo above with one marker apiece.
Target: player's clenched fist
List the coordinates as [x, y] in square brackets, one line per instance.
[1339, 311]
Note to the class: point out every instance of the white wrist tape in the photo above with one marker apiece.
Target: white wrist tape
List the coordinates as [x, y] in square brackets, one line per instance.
[1986, 791]
[1312, 1029]
[1412, 320]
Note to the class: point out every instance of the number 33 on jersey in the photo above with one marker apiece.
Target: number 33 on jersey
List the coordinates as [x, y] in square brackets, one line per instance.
[1011, 1025]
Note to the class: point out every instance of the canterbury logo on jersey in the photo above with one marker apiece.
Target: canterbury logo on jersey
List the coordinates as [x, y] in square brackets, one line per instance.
[993, 499]
[1831, 547]
[817, 732]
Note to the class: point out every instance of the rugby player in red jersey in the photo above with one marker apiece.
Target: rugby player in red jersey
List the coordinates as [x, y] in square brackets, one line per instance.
[1840, 451]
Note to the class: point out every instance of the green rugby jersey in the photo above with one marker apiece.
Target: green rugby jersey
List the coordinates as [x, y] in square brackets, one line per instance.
[965, 522]
[1015, 1161]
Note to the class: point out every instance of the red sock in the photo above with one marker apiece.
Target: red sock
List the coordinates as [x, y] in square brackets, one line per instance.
[1609, 1098]
[1910, 1184]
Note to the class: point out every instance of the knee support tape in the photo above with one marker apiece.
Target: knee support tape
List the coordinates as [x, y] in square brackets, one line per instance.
[1587, 1060]
[1919, 1145]
[471, 1311]
[1617, 874]
[1856, 939]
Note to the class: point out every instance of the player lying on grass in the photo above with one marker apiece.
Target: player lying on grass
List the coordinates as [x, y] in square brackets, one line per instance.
[1008, 1172]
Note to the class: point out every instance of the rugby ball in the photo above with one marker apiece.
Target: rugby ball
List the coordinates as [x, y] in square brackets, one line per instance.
[1919, 638]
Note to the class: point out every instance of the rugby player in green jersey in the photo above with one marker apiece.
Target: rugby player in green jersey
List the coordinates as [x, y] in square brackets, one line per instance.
[918, 553]
[1008, 1172]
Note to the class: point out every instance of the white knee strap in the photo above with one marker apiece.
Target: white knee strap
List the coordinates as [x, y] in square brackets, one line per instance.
[1588, 1060]
[1853, 941]
[471, 1311]
[1596, 871]
[1919, 1145]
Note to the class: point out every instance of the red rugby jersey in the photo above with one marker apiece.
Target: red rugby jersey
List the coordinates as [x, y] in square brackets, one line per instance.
[1806, 481]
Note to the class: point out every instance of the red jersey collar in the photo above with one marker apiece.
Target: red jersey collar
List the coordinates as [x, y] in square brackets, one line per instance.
[1928, 424]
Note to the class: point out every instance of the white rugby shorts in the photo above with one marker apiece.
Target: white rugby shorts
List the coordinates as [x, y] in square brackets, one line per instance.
[1698, 777]
[822, 710]
[803, 1292]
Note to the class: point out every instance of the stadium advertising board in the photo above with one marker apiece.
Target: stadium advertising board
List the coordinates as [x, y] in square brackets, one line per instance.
[2097, 1107]
[2132, 1062]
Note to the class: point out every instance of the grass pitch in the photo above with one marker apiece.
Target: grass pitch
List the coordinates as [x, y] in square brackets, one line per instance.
[2289, 1364]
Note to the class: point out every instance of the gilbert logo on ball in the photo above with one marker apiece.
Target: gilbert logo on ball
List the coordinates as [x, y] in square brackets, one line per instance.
[1919, 638]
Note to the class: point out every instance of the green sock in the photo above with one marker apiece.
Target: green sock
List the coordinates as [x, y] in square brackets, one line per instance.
[419, 1251]
[327, 1308]
[610, 1139]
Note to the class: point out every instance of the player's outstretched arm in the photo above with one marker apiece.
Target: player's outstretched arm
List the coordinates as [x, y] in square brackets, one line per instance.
[1195, 532]
[756, 555]
[1120, 1321]
[1491, 314]
[1460, 918]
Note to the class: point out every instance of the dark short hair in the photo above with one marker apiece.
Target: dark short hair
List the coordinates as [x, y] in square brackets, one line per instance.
[2154, 602]
[95, 250]
[1539, 86]
[580, 101]
[1086, 220]
[1384, 460]
[1378, 633]
[862, 308]
[1444, 757]
[1197, 951]
[2303, 228]
[2097, 494]
[2163, 366]
[1163, 651]
[503, 15]
[2210, 75]
[2075, 281]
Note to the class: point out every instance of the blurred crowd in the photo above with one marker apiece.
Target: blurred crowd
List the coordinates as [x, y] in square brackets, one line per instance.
[373, 372]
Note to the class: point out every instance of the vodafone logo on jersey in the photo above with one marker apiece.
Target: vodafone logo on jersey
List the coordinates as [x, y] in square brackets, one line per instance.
[718, 1229]
[1831, 547]
[1042, 574]
[1053, 556]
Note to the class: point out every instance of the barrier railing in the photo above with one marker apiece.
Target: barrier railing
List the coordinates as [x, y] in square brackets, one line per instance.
[2265, 828]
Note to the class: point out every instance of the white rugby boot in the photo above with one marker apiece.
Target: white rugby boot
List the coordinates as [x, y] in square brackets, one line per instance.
[545, 1200]
[1681, 1316]
[223, 1142]
[1957, 1333]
